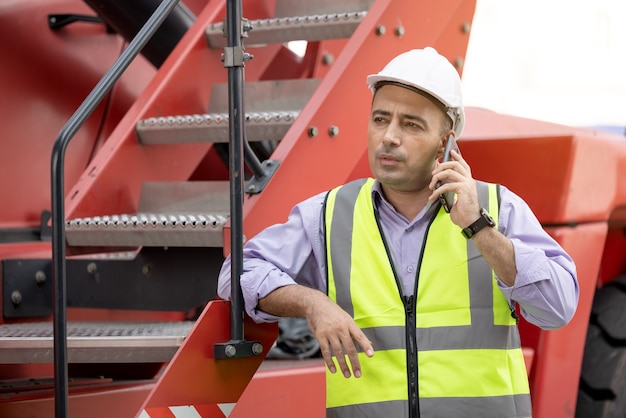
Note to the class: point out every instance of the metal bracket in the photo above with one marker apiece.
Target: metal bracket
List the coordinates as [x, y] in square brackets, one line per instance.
[256, 184]
[246, 27]
[234, 56]
[237, 349]
[173, 279]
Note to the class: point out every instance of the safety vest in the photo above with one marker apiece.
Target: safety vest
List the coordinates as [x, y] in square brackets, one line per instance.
[451, 350]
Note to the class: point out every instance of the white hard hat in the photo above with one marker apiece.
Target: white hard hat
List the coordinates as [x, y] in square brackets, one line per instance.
[429, 72]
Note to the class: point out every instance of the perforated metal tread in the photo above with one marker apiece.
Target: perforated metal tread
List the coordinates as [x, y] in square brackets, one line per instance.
[260, 126]
[169, 214]
[285, 29]
[151, 230]
[94, 342]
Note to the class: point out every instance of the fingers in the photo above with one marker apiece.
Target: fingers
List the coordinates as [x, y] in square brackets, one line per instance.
[452, 176]
[341, 348]
[340, 356]
[347, 358]
[450, 172]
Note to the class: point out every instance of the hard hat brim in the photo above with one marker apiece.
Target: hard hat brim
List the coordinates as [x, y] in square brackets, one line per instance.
[374, 79]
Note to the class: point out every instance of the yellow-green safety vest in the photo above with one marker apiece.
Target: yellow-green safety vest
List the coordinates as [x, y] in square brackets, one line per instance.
[451, 350]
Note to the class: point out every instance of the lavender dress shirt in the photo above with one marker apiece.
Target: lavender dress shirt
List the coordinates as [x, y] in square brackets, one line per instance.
[545, 288]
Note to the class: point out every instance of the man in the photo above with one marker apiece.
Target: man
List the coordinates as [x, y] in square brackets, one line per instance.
[413, 305]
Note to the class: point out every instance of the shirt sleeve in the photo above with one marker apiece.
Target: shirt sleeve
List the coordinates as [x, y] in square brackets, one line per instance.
[280, 255]
[546, 286]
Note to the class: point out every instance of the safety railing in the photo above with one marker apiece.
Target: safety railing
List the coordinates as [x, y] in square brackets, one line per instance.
[58, 197]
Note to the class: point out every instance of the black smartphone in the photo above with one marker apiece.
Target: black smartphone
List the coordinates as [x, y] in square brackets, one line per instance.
[447, 199]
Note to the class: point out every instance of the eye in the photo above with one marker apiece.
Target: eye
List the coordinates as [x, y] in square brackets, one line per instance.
[413, 125]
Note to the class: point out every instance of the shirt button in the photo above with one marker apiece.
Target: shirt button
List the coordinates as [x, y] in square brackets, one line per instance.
[410, 269]
[409, 229]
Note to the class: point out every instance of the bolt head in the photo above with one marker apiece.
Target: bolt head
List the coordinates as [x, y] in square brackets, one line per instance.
[40, 277]
[16, 297]
[230, 351]
[257, 349]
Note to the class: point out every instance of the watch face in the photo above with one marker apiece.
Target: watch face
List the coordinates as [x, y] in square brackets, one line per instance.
[488, 218]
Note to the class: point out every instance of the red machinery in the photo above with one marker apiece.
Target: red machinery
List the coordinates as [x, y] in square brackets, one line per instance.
[147, 211]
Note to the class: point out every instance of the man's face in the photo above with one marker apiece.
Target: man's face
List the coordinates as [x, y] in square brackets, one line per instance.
[404, 138]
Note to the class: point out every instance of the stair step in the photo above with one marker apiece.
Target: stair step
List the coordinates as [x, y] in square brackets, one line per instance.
[94, 342]
[295, 28]
[271, 108]
[170, 214]
[289, 95]
[262, 126]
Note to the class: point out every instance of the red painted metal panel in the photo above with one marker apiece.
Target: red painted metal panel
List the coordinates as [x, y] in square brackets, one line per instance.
[567, 175]
[558, 359]
[117, 400]
[285, 389]
[195, 377]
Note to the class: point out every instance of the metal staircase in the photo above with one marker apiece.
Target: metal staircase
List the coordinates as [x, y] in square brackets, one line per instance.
[95, 342]
[161, 180]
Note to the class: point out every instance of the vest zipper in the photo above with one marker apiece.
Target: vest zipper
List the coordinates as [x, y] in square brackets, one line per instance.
[410, 307]
[411, 357]
[411, 323]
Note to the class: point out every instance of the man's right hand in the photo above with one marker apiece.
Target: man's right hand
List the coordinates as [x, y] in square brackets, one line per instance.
[337, 333]
[335, 330]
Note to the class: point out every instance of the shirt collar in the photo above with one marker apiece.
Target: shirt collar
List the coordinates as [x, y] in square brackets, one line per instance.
[381, 203]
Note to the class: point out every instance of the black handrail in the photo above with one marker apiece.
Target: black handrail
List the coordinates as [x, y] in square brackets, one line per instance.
[58, 197]
[234, 64]
[234, 58]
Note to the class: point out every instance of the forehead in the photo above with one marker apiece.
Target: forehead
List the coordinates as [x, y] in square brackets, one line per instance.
[390, 98]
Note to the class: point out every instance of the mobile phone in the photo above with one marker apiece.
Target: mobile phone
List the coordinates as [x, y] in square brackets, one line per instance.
[447, 199]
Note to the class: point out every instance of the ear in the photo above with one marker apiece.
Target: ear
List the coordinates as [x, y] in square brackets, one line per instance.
[442, 143]
[442, 146]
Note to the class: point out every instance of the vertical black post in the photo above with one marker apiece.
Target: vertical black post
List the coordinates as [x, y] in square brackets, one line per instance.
[234, 59]
[59, 292]
[236, 132]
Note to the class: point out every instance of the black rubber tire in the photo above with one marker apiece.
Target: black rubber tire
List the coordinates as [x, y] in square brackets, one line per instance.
[602, 391]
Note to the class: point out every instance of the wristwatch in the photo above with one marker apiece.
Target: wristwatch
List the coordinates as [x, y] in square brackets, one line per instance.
[483, 221]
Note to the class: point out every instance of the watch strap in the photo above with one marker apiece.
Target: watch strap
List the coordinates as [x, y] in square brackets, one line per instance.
[484, 220]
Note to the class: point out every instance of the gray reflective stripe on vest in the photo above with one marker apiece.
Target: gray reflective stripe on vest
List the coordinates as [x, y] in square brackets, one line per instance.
[341, 250]
[475, 407]
[391, 409]
[480, 289]
[446, 338]
[437, 408]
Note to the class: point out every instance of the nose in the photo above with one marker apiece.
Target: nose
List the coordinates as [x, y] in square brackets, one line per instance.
[392, 135]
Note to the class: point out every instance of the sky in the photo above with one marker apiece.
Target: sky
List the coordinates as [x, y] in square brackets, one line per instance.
[561, 61]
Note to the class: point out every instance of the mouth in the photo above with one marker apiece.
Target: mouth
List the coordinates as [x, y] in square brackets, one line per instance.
[388, 159]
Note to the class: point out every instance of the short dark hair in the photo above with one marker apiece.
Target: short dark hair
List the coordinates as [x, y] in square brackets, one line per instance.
[446, 124]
